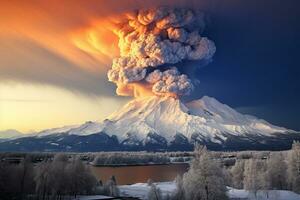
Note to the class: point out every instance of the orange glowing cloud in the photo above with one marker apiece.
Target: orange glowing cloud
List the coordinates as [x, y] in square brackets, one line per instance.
[59, 40]
[97, 40]
[70, 30]
[55, 24]
[134, 89]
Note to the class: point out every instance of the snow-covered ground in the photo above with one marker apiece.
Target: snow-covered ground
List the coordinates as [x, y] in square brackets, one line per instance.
[263, 195]
[93, 197]
[141, 190]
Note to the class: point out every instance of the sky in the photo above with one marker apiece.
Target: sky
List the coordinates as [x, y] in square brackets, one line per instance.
[54, 56]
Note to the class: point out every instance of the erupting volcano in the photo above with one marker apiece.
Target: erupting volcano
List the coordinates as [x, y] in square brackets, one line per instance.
[163, 123]
[160, 49]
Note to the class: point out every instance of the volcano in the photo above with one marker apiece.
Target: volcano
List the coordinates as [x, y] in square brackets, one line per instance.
[163, 123]
[205, 119]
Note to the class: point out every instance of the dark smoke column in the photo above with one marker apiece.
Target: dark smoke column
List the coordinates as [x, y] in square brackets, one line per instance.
[151, 42]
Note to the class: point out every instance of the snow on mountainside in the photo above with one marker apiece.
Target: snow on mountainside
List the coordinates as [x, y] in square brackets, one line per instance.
[56, 130]
[159, 124]
[168, 116]
[87, 128]
[207, 118]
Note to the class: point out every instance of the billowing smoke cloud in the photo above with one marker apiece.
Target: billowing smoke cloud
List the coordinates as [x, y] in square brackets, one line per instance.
[151, 40]
[169, 82]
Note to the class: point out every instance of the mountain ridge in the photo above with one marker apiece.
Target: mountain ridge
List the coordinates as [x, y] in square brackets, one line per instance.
[166, 123]
[167, 116]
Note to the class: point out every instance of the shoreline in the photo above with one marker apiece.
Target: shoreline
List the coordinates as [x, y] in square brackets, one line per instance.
[137, 164]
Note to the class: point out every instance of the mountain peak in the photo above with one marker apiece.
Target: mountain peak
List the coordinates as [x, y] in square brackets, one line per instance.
[148, 105]
[168, 116]
[205, 118]
[168, 123]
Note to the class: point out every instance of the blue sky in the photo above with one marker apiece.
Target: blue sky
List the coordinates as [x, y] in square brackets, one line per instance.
[256, 68]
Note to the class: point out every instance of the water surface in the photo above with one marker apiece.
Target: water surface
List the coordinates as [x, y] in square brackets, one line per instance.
[140, 174]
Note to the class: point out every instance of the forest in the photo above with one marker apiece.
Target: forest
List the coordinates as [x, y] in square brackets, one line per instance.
[65, 176]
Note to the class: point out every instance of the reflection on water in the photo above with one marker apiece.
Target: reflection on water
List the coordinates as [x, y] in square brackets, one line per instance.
[140, 174]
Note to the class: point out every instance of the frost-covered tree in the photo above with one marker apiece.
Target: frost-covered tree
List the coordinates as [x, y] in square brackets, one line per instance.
[276, 171]
[42, 180]
[61, 178]
[154, 193]
[204, 180]
[81, 179]
[6, 181]
[58, 175]
[16, 180]
[25, 175]
[255, 176]
[237, 172]
[227, 176]
[294, 167]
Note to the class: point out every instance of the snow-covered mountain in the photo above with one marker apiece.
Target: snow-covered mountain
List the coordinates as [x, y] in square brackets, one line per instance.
[207, 118]
[51, 131]
[168, 123]
[12, 134]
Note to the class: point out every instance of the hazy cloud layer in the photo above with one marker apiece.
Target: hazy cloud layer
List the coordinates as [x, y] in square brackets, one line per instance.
[26, 61]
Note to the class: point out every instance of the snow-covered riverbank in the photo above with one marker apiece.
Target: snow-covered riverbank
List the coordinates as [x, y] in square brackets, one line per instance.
[141, 189]
[167, 188]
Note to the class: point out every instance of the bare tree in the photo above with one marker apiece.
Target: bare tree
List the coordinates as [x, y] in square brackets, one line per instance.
[154, 193]
[110, 187]
[149, 182]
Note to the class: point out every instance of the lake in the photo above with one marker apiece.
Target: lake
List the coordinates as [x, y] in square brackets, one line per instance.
[140, 174]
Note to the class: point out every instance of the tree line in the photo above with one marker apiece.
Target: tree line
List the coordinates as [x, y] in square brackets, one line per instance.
[130, 158]
[60, 178]
[208, 177]
[279, 171]
[64, 177]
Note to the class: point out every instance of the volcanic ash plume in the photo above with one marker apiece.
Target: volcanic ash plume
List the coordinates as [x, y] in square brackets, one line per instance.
[153, 45]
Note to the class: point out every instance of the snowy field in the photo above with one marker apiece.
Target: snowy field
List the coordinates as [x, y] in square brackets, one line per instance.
[263, 195]
[141, 190]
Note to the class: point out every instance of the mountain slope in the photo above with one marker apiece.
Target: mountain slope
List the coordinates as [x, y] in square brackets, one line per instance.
[156, 123]
[167, 116]
[10, 133]
[56, 130]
